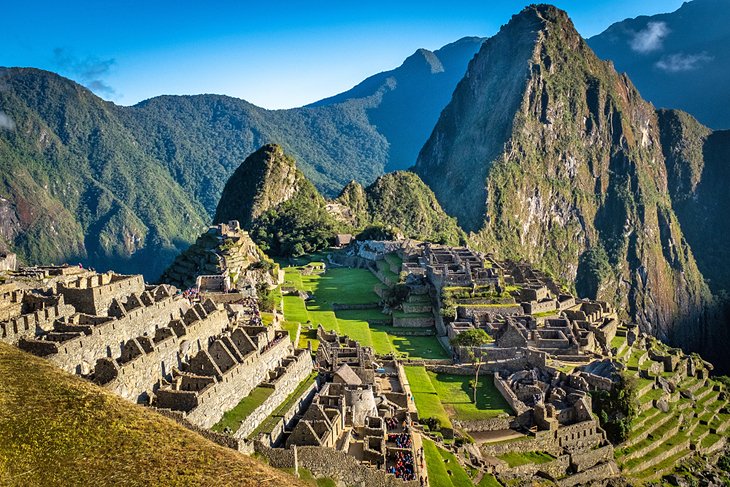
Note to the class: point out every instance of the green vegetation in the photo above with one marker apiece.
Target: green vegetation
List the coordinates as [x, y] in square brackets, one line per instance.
[426, 397]
[232, 419]
[443, 468]
[616, 410]
[454, 393]
[369, 326]
[444, 396]
[475, 337]
[401, 199]
[89, 436]
[515, 459]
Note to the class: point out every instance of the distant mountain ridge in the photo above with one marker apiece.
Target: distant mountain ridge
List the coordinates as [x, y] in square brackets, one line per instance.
[404, 103]
[676, 60]
[86, 180]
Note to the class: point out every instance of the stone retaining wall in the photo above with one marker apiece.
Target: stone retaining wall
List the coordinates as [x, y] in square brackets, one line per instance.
[414, 322]
[237, 383]
[285, 385]
[243, 446]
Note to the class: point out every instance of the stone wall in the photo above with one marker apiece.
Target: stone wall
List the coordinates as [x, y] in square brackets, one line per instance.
[581, 461]
[466, 312]
[491, 424]
[413, 321]
[236, 384]
[600, 472]
[289, 418]
[173, 346]
[295, 373]
[93, 295]
[8, 262]
[554, 469]
[534, 307]
[107, 338]
[344, 469]
[28, 325]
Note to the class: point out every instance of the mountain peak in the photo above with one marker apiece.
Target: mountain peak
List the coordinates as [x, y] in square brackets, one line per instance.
[267, 178]
[423, 58]
[547, 154]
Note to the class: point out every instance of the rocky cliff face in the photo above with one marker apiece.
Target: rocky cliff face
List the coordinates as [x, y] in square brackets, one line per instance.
[698, 172]
[546, 153]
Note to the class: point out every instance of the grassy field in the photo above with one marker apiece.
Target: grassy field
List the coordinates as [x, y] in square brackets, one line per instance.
[443, 469]
[515, 459]
[446, 396]
[57, 429]
[351, 286]
[455, 393]
[232, 419]
[425, 395]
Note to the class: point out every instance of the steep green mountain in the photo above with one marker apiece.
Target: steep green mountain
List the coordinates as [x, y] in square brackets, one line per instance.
[678, 59]
[265, 179]
[202, 139]
[405, 103]
[283, 210]
[547, 154]
[75, 186]
[128, 187]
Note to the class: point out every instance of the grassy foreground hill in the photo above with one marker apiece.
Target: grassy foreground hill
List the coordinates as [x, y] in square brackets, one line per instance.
[56, 429]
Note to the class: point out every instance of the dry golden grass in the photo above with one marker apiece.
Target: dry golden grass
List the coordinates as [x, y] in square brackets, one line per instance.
[57, 429]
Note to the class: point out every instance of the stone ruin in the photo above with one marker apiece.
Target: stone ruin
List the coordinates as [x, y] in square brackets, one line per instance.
[362, 409]
[224, 257]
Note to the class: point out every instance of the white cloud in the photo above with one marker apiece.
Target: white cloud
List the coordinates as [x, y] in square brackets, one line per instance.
[6, 122]
[650, 38]
[675, 63]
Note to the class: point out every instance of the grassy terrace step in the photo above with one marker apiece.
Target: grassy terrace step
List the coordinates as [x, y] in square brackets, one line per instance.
[647, 427]
[268, 424]
[679, 440]
[655, 433]
[515, 459]
[643, 421]
[444, 469]
[664, 467]
[652, 395]
[232, 419]
[710, 440]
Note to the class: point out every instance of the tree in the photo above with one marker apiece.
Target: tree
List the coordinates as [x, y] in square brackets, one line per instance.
[475, 337]
[617, 408]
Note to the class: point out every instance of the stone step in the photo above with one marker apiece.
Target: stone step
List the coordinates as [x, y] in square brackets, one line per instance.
[657, 422]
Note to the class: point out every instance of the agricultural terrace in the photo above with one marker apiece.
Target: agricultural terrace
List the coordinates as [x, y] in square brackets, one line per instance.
[346, 286]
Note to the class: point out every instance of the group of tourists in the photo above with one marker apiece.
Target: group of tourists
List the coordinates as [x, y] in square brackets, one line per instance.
[401, 440]
[404, 467]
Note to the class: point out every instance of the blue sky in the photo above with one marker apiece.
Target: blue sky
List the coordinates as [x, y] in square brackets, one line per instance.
[273, 54]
